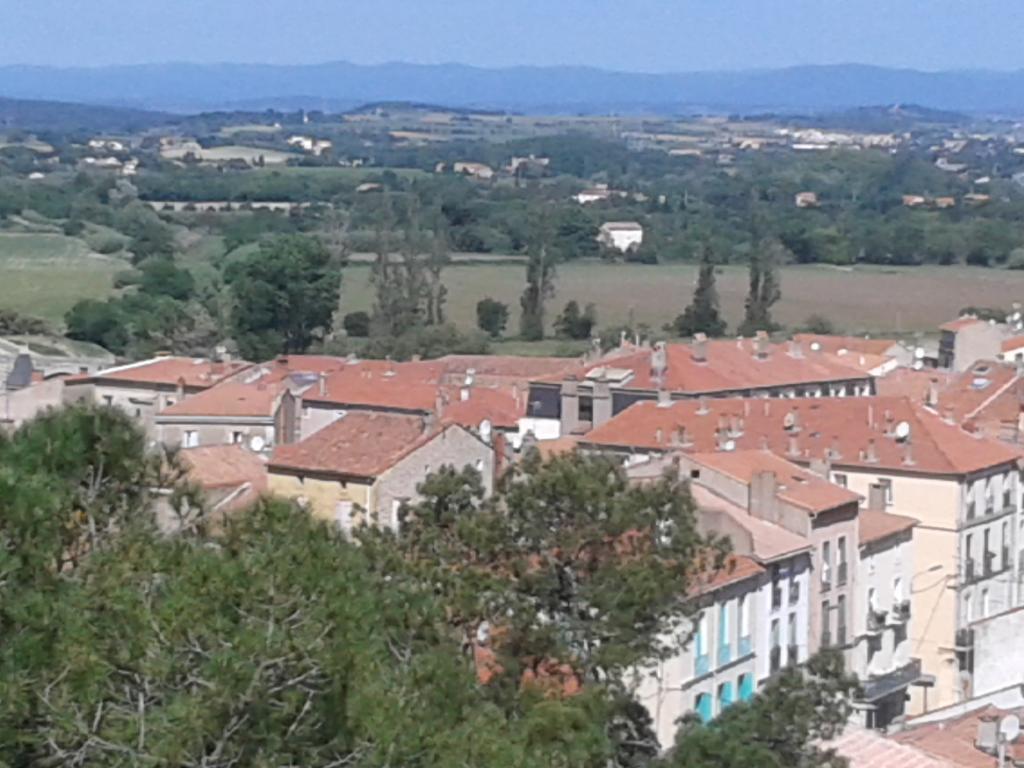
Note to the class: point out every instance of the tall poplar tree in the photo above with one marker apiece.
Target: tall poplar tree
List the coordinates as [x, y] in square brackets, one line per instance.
[702, 315]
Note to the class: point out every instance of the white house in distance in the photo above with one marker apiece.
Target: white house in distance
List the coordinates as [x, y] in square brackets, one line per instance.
[621, 235]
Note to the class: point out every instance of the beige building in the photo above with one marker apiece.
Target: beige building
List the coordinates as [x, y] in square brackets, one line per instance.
[363, 466]
[968, 339]
[621, 236]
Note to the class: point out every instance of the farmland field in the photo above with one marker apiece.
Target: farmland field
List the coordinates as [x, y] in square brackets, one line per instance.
[44, 275]
[862, 300]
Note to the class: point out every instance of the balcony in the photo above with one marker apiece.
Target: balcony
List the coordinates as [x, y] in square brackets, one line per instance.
[841, 574]
[900, 612]
[880, 686]
[876, 622]
[702, 665]
[745, 647]
[775, 659]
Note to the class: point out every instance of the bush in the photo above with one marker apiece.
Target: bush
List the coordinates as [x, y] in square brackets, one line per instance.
[573, 324]
[357, 324]
[491, 317]
[818, 324]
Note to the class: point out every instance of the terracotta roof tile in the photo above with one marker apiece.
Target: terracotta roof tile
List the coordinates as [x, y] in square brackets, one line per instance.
[874, 525]
[735, 569]
[794, 484]
[219, 466]
[1013, 344]
[835, 344]
[360, 444]
[197, 373]
[960, 323]
[954, 739]
[852, 427]
[869, 749]
[502, 406]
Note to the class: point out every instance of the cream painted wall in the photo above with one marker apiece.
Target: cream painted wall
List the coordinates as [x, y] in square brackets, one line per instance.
[223, 433]
[320, 496]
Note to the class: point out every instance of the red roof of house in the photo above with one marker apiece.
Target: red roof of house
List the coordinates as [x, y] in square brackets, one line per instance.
[848, 429]
[1012, 345]
[729, 366]
[220, 466]
[960, 323]
[794, 485]
[359, 444]
[168, 371]
[379, 384]
[874, 525]
[837, 344]
[735, 569]
[502, 406]
[954, 739]
[870, 749]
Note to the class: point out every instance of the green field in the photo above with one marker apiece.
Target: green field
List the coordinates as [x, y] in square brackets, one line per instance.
[44, 275]
[862, 300]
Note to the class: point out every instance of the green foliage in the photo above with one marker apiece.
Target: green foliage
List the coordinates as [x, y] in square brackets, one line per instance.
[574, 324]
[702, 315]
[540, 282]
[426, 341]
[818, 324]
[14, 324]
[284, 296]
[160, 276]
[781, 727]
[491, 317]
[765, 289]
[357, 324]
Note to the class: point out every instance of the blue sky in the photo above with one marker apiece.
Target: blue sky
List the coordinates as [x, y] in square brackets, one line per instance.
[633, 35]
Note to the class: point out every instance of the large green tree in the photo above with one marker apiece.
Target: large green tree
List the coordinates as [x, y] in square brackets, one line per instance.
[765, 287]
[702, 315]
[285, 295]
[540, 280]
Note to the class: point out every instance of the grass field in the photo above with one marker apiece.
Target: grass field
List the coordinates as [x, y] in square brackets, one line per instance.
[232, 152]
[44, 275]
[862, 300]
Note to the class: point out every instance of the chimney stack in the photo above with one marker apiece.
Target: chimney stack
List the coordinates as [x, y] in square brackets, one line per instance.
[702, 406]
[322, 384]
[933, 394]
[908, 454]
[659, 436]
[664, 398]
[700, 348]
[871, 454]
[796, 350]
[761, 345]
[793, 450]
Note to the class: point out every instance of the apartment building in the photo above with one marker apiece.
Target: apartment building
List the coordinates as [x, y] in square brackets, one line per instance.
[597, 391]
[962, 488]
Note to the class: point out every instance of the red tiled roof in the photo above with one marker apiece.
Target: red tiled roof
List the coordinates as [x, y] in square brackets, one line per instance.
[228, 399]
[794, 485]
[502, 406]
[854, 426]
[954, 739]
[379, 384]
[960, 323]
[915, 384]
[558, 447]
[729, 366]
[875, 525]
[195, 372]
[835, 344]
[869, 749]
[735, 569]
[978, 388]
[360, 444]
[1012, 345]
[220, 466]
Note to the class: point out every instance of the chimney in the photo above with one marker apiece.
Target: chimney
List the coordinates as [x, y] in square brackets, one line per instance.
[702, 406]
[933, 394]
[876, 498]
[416, 358]
[429, 423]
[680, 438]
[762, 496]
[664, 398]
[322, 384]
[761, 345]
[833, 452]
[179, 387]
[570, 405]
[871, 416]
[948, 415]
[659, 436]
[871, 454]
[602, 401]
[908, 454]
[794, 446]
[796, 350]
[791, 421]
[659, 362]
[464, 394]
[700, 348]
[988, 734]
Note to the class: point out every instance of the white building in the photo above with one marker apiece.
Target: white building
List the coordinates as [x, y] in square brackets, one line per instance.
[621, 236]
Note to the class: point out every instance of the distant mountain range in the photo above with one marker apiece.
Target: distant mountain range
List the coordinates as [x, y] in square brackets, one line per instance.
[339, 85]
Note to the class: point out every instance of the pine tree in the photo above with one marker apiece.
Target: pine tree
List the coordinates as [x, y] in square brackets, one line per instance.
[702, 315]
[765, 288]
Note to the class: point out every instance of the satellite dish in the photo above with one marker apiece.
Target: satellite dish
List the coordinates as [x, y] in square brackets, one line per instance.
[485, 430]
[1009, 728]
[902, 431]
[789, 421]
[730, 445]
[919, 353]
[815, 346]
[257, 443]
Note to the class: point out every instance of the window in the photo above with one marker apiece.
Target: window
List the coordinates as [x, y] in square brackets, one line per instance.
[775, 655]
[794, 588]
[826, 566]
[168, 402]
[343, 515]
[703, 707]
[841, 567]
[776, 588]
[886, 485]
[1004, 543]
[190, 439]
[479, 465]
[986, 607]
[724, 646]
[791, 640]
[745, 683]
[744, 645]
[396, 508]
[826, 625]
[138, 413]
[586, 409]
[841, 479]
[969, 557]
[987, 554]
[237, 438]
[968, 607]
[841, 620]
[702, 664]
[108, 400]
[1007, 495]
[724, 696]
[897, 589]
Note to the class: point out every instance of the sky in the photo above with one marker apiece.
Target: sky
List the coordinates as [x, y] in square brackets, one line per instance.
[625, 35]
